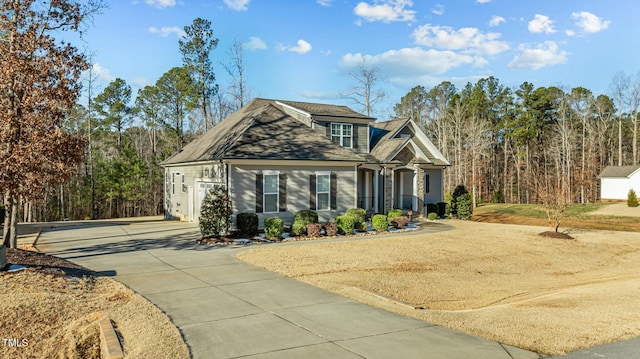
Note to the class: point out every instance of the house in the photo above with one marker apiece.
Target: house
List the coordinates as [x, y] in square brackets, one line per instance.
[279, 157]
[616, 181]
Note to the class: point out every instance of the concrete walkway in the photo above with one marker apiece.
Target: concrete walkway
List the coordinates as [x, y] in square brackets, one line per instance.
[229, 309]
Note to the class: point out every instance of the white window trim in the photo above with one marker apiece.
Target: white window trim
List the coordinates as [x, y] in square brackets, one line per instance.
[264, 190]
[173, 181]
[318, 174]
[342, 136]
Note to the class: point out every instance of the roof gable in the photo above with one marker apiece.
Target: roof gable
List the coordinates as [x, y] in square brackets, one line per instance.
[619, 171]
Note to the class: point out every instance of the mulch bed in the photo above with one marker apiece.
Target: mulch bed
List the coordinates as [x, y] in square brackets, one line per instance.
[557, 235]
[46, 263]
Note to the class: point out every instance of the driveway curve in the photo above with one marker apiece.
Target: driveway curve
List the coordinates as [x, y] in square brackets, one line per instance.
[226, 308]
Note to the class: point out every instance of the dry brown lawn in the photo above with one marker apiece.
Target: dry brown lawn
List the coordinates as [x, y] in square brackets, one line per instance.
[56, 314]
[501, 282]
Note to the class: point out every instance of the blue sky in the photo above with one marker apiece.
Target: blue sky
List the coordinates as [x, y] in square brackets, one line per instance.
[304, 49]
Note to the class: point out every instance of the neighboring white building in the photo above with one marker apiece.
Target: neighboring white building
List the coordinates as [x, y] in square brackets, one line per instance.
[616, 181]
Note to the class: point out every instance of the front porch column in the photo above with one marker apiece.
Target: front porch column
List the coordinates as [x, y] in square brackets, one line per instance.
[376, 186]
[388, 192]
[414, 201]
[420, 190]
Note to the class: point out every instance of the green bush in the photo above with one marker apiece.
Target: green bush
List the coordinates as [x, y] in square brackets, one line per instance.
[345, 224]
[380, 223]
[464, 206]
[632, 199]
[393, 213]
[247, 224]
[432, 208]
[313, 230]
[359, 214]
[306, 215]
[273, 228]
[361, 226]
[432, 216]
[215, 213]
[301, 219]
[330, 229]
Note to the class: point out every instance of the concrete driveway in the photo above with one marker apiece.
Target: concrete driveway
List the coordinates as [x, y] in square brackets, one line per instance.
[229, 309]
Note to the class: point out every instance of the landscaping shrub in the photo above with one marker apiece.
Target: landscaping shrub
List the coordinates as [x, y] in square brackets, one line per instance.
[461, 204]
[273, 228]
[313, 230]
[380, 223]
[632, 199]
[400, 222]
[247, 224]
[393, 213]
[330, 229]
[345, 224]
[432, 216]
[359, 214]
[432, 208]
[215, 213]
[361, 226]
[306, 215]
[465, 206]
[301, 219]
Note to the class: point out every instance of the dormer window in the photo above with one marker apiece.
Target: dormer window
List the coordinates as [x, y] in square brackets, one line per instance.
[342, 134]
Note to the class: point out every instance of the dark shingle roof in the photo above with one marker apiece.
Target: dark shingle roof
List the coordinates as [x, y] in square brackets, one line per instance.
[260, 130]
[319, 109]
[619, 171]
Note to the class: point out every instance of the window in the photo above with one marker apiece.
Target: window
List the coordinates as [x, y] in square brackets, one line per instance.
[184, 186]
[173, 181]
[270, 193]
[342, 134]
[323, 189]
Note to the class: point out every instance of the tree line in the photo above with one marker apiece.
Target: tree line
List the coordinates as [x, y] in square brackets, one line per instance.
[528, 144]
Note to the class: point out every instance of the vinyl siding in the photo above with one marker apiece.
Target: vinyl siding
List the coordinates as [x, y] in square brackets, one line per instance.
[243, 190]
[177, 204]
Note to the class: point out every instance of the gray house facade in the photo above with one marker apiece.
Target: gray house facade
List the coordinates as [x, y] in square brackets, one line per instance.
[279, 157]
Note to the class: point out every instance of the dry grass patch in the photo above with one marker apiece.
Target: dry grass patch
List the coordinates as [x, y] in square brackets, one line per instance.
[57, 314]
[501, 282]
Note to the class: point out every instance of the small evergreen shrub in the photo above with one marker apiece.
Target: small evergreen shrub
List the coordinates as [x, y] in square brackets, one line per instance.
[632, 199]
[301, 219]
[313, 230]
[345, 224]
[361, 226]
[380, 223]
[400, 222]
[359, 214]
[215, 213]
[330, 229]
[464, 206]
[393, 213]
[306, 215]
[432, 216]
[273, 228]
[432, 208]
[247, 224]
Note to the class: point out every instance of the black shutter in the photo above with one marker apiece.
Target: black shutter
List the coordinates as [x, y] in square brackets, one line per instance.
[328, 129]
[259, 192]
[282, 183]
[334, 191]
[354, 131]
[312, 192]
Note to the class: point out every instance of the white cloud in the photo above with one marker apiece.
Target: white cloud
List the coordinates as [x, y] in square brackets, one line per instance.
[496, 20]
[302, 47]
[238, 5]
[101, 73]
[161, 3]
[438, 9]
[541, 24]
[254, 43]
[542, 55]
[386, 11]
[167, 30]
[141, 82]
[468, 39]
[483, 1]
[589, 22]
[570, 33]
[409, 63]
[325, 3]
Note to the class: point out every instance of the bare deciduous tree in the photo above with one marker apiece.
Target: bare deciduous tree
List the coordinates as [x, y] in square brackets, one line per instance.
[365, 93]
